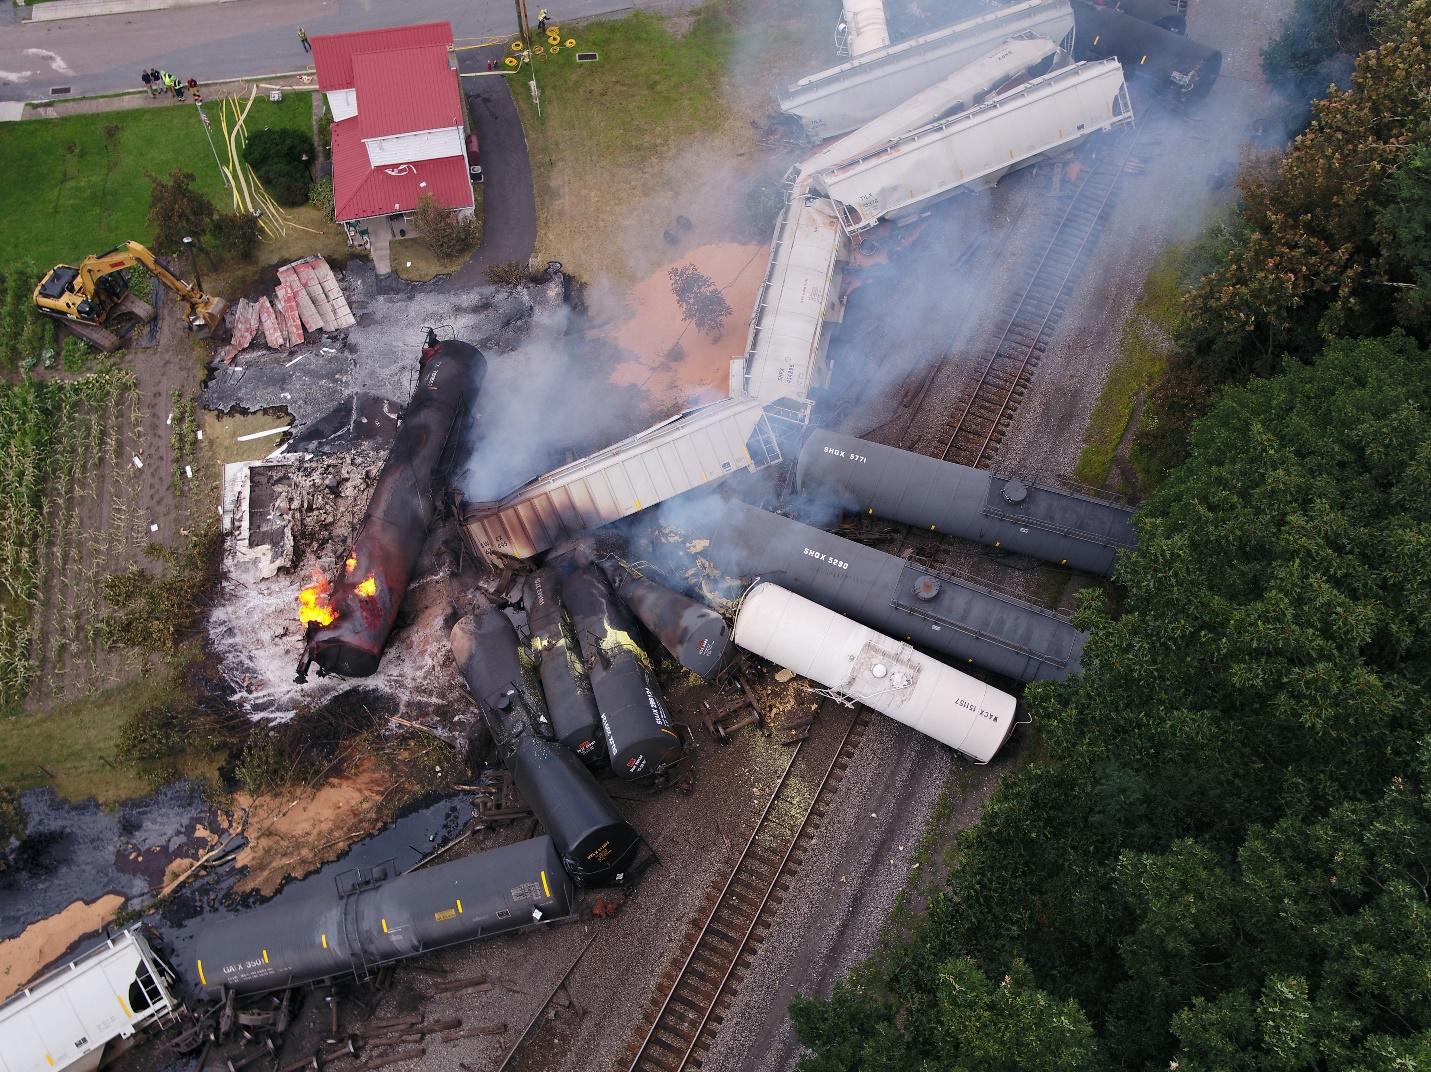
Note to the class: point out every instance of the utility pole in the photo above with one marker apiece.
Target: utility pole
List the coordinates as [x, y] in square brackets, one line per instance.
[524, 28]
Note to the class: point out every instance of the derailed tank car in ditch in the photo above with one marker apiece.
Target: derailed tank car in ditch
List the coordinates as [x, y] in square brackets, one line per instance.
[696, 636]
[880, 672]
[597, 845]
[349, 625]
[377, 918]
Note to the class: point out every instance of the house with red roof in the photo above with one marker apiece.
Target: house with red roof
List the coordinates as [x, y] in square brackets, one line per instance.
[399, 128]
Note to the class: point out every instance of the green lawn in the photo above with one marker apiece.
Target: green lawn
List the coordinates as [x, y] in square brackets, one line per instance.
[75, 186]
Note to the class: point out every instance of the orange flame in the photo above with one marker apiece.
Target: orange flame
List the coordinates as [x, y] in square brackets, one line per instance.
[368, 588]
[350, 565]
[313, 602]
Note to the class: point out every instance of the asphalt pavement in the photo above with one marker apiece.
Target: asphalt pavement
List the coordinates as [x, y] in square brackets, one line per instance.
[243, 39]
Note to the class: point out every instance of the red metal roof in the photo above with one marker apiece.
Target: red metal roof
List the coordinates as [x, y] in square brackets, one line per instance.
[406, 90]
[333, 53]
[361, 190]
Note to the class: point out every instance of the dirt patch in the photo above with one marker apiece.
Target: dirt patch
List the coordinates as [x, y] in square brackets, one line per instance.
[673, 361]
[293, 833]
[22, 957]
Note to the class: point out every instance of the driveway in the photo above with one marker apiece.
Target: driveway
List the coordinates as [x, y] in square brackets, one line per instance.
[509, 224]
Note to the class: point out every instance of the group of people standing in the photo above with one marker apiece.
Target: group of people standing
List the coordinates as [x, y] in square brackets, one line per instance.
[157, 82]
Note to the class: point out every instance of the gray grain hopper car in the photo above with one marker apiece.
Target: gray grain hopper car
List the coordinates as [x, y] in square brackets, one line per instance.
[954, 618]
[1027, 517]
[376, 919]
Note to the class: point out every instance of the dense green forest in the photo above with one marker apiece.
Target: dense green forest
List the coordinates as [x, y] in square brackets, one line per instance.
[1219, 858]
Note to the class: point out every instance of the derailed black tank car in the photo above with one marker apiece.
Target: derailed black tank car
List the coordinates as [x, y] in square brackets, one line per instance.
[370, 589]
[697, 637]
[1172, 63]
[380, 919]
[999, 511]
[887, 594]
[640, 737]
[570, 702]
[1169, 14]
[596, 844]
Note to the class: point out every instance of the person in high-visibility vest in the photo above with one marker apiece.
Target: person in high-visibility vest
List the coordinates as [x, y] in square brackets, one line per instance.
[542, 21]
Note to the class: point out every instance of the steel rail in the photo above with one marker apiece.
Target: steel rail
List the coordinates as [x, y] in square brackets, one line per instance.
[720, 989]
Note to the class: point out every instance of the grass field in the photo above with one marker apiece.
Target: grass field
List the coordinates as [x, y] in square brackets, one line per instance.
[74, 186]
[659, 125]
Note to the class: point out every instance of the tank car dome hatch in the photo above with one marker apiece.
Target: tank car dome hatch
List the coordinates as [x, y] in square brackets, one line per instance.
[1014, 490]
[926, 588]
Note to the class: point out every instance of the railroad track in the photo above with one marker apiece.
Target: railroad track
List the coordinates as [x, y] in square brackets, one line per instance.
[977, 426]
[692, 999]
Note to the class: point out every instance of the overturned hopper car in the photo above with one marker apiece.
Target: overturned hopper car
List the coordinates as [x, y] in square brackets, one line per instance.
[596, 844]
[1173, 64]
[1023, 516]
[944, 615]
[348, 627]
[969, 716]
[376, 919]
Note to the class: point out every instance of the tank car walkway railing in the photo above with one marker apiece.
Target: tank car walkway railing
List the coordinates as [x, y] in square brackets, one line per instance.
[1010, 366]
[693, 1003]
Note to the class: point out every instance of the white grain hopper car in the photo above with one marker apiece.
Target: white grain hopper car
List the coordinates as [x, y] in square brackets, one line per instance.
[1046, 116]
[884, 674]
[839, 99]
[862, 28]
[1025, 55]
[66, 1019]
[799, 300]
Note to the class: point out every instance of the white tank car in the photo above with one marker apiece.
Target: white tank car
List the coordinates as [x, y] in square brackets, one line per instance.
[969, 716]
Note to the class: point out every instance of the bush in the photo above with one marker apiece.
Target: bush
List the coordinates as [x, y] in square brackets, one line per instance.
[701, 301]
[280, 160]
[176, 209]
[153, 612]
[321, 194]
[151, 739]
[507, 274]
[236, 233]
[440, 229]
[763, 202]
[75, 356]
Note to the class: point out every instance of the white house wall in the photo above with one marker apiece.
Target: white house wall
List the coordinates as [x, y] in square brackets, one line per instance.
[839, 99]
[343, 103]
[978, 147]
[419, 145]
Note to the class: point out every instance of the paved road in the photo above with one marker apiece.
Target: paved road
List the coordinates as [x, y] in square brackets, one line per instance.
[251, 37]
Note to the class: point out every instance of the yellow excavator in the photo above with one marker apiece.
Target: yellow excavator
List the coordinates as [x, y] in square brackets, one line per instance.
[91, 298]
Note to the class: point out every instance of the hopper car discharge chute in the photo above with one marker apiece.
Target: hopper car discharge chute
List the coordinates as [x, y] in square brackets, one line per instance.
[641, 739]
[377, 919]
[1176, 65]
[969, 716]
[597, 846]
[696, 636]
[943, 615]
[349, 621]
[1014, 515]
[571, 705]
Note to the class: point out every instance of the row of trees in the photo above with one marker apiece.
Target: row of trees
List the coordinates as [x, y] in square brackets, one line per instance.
[1219, 859]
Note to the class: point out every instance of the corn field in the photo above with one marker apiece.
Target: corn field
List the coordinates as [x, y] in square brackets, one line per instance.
[68, 447]
[26, 337]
